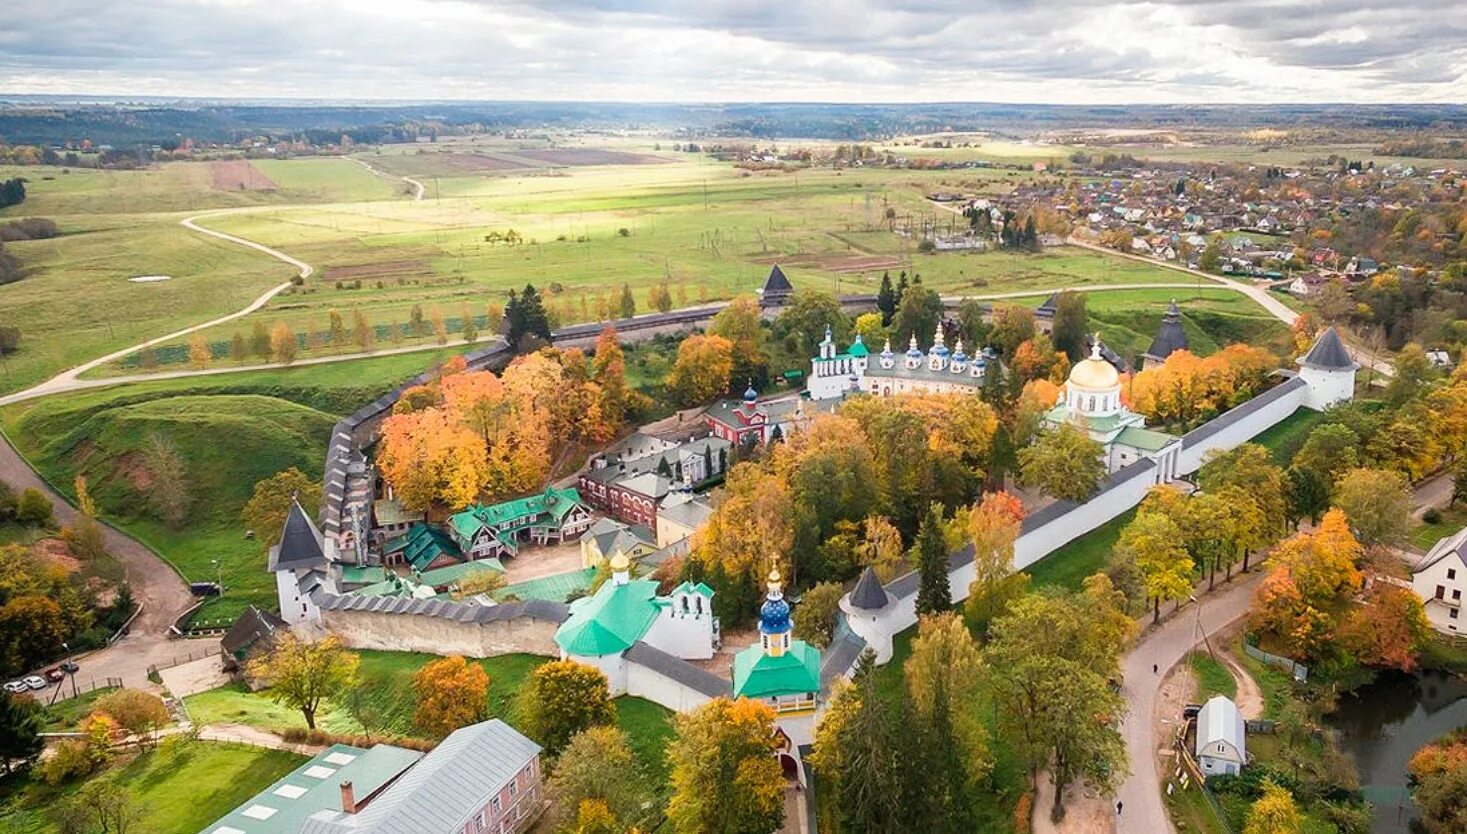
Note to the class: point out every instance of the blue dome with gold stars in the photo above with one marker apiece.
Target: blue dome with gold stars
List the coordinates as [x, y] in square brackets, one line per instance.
[774, 614]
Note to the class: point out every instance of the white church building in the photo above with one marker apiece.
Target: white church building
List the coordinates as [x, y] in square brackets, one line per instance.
[939, 370]
[1092, 400]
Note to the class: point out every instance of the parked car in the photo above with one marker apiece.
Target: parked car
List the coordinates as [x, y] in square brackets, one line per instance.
[16, 686]
[55, 675]
[69, 668]
[36, 682]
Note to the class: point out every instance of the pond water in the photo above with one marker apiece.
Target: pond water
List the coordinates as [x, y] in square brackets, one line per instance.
[1383, 724]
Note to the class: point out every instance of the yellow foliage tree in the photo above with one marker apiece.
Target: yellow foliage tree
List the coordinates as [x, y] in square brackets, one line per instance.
[702, 369]
[451, 693]
[725, 777]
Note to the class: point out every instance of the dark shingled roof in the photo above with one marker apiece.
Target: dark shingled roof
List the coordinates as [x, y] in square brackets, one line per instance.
[1170, 337]
[251, 627]
[1046, 310]
[776, 282]
[1328, 353]
[695, 678]
[300, 543]
[868, 593]
[840, 656]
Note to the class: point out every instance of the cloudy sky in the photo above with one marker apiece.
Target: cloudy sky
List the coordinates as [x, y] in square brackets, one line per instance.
[1062, 51]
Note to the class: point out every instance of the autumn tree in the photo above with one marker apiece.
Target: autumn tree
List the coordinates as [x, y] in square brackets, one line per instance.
[304, 675]
[742, 324]
[1300, 604]
[562, 698]
[84, 537]
[1064, 463]
[930, 554]
[199, 352]
[1388, 629]
[1274, 813]
[724, 776]
[993, 525]
[429, 456]
[801, 325]
[271, 500]
[581, 775]
[1155, 543]
[283, 345]
[362, 332]
[702, 369]
[750, 526]
[1378, 504]
[260, 340]
[610, 373]
[1330, 449]
[451, 693]
[1250, 478]
[1012, 326]
[138, 713]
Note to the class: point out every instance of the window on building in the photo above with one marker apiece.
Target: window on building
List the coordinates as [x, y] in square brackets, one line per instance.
[1456, 594]
[1441, 592]
[479, 822]
[513, 789]
[1452, 613]
[1451, 573]
[494, 804]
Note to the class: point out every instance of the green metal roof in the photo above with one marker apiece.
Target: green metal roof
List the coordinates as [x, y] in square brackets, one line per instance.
[398, 586]
[453, 573]
[611, 620]
[533, 510]
[758, 675]
[554, 588]
[858, 350]
[422, 545]
[314, 787]
[362, 574]
[1147, 439]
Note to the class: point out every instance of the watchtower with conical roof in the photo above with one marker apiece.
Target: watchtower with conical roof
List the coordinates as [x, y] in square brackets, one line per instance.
[1170, 338]
[1329, 370]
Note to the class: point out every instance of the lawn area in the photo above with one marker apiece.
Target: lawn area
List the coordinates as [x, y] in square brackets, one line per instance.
[271, 420]
[1425, 535]
[1213, 678]
[1283, 440]
[1276, 684]
[1068, 566]
[1192, 813]
[178, 794]
[387, 678]
[66, 714]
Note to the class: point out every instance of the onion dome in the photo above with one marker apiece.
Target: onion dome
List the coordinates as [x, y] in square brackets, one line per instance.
[914, 352]
[958, 355]
[886, 351]
[750, 395]
[774, 614]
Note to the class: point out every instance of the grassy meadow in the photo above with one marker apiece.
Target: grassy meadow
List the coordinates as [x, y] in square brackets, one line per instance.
[180, 793]
[229, 431]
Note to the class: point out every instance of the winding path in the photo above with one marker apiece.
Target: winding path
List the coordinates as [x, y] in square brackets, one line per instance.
[417, 186]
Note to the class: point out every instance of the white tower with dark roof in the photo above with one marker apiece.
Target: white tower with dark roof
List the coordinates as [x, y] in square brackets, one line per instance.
[1329, 371]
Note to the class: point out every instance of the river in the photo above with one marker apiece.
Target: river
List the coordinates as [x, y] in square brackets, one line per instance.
[1383, 724]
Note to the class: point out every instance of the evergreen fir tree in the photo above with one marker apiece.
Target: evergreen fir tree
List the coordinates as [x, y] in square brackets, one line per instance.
[525, 315]
[886, 299]
[933, 593]
[869, 792]
[21, 724]
[901, 289]
[628, 303]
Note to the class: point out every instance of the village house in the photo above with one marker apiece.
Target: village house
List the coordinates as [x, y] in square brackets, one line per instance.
[1440, 578]
[1221, 745]
[681, 515]
[608, 537]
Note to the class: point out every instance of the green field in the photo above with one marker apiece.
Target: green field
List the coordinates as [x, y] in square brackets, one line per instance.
[387, 677]
[230, 432]
[177, 794]
[1213, 678]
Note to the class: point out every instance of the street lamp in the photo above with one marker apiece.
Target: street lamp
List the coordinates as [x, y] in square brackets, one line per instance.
[218, 575]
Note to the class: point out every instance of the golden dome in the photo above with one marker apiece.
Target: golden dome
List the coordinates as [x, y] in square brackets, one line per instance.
[1095, 374]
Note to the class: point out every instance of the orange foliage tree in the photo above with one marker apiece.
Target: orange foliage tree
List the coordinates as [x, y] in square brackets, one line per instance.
[702, 370]
[1301, 604]
[1388, 629]
[1189, 389]
[451, 693]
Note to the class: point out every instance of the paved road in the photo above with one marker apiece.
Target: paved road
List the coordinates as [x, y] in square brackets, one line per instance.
[154, 585]
[1435, 491]
[1143, 808]
[417, 186]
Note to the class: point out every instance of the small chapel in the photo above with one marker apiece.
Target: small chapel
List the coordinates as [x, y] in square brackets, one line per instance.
[780, 671]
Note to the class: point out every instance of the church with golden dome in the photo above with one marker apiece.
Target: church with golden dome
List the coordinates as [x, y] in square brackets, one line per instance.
[1091, 400]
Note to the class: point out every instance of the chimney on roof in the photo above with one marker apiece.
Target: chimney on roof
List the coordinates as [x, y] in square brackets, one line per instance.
[348, 798]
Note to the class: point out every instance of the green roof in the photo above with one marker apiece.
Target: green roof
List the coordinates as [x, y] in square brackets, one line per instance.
[422, 544]
[453, 573]
[316, 786]
[521, 512]
[858, 349]
[611, 620]
[1104, 424]
[553, 588]
[1147, 439]
[398, 586]
[758, 675]
[362, 574]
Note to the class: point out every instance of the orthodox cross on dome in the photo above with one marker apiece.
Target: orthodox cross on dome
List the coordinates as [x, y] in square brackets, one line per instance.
[1095, 347]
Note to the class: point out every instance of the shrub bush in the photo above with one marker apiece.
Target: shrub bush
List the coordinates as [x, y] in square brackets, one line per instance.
[1432, 516]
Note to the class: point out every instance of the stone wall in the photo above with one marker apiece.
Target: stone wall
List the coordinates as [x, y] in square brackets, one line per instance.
[399, 631]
